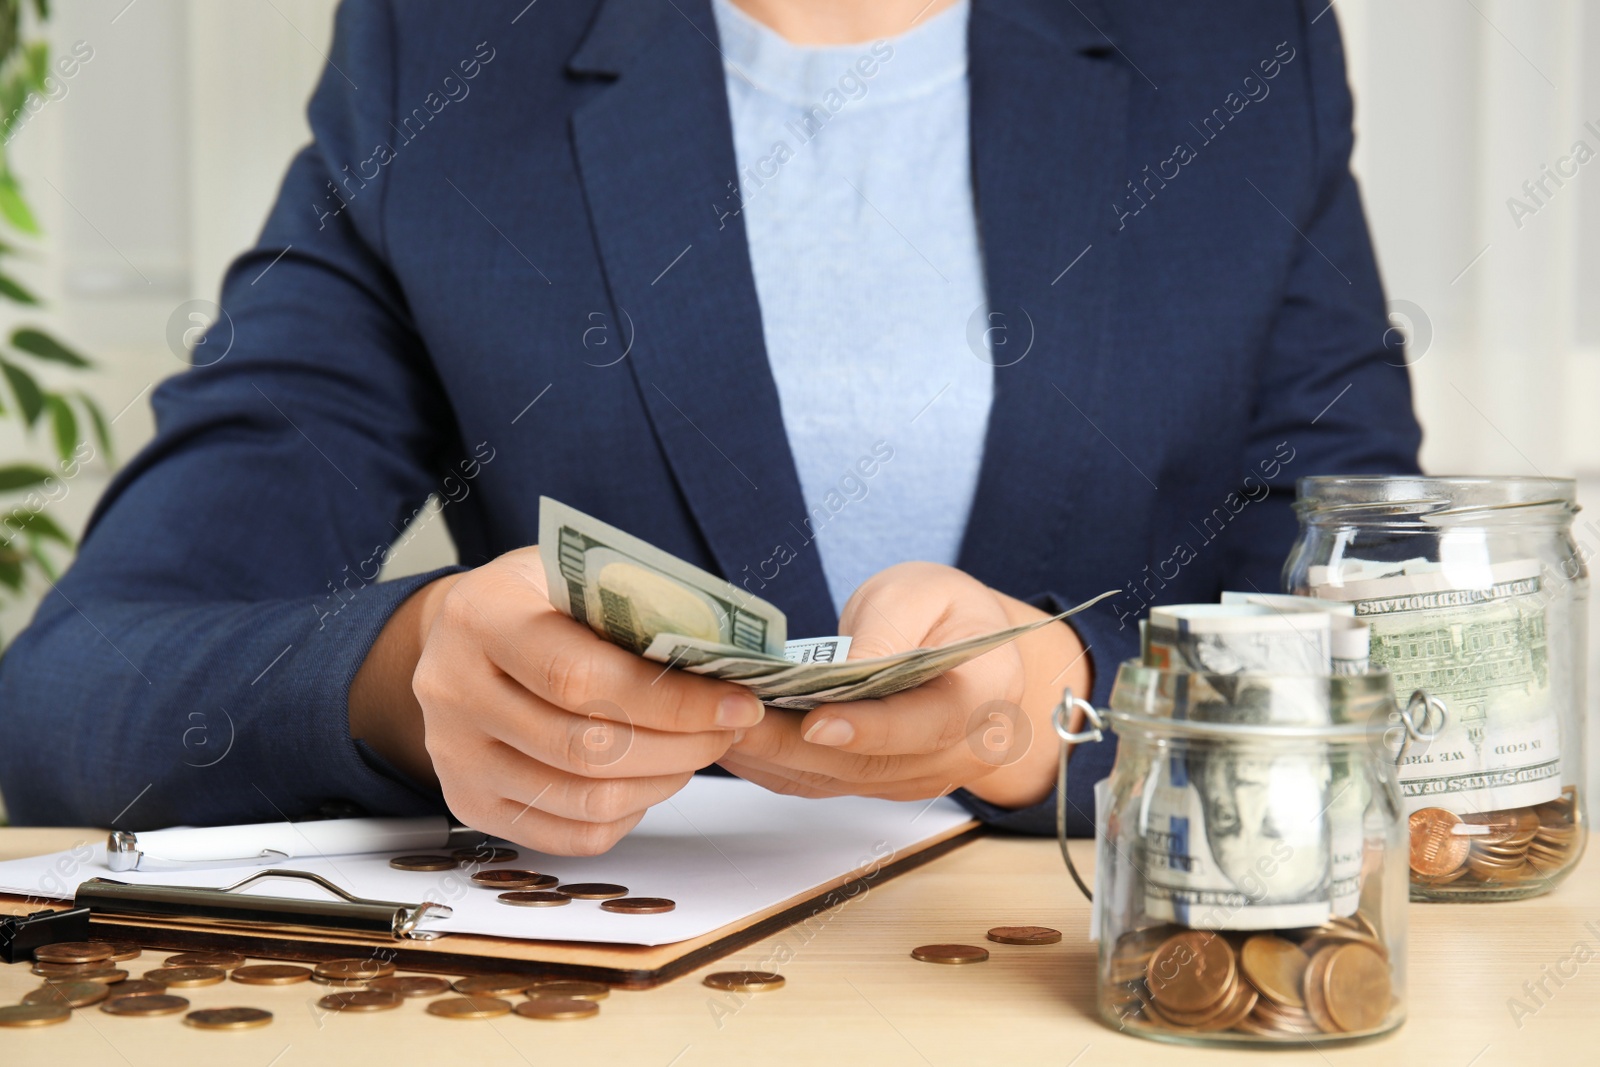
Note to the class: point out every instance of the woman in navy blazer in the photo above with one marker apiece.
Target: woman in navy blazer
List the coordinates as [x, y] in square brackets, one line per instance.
[490, 180]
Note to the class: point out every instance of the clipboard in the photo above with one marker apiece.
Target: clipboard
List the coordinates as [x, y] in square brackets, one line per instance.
[325, 932]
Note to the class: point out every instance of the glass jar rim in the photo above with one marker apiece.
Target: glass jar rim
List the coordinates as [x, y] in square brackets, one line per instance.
[1157, 700]
[1434, 500]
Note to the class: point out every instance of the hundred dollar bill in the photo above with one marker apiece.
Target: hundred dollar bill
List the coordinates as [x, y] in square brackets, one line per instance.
[1350, 638]
[1475, 637]
[1236, 639]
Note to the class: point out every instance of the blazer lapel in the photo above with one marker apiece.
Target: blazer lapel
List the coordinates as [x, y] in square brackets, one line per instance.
[656, 159]
[1048, 114]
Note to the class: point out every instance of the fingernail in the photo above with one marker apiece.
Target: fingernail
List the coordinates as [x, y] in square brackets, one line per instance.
[830, 732]
[738, 710]
[738, 735]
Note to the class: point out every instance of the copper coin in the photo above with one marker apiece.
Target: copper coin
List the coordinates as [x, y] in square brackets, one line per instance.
[1024, 935]
[67, 994]
[271, 974]
[354, 969]
[342, 983]
[484, 854]
[502, 878]
[67, 970]
[227, 1018]
[424, 863]
[360, 1000]
[469, 1007]
[222, 961]
[535, 898]
[411, 985]
[950, 954]
[639, 905]
[492, 985]
[594, 890]
[1315, 990]
[569, 988]
[145, 1004]
[1235, 1011]
[1276, 968]
[122, 951]
[1436, 849]
[745, 981]
[1357, 987]
[34, 1014]
[1191, 971]
[73, 952]
[103, 975]
[137, 987]
[557, 1008]
[185, 977]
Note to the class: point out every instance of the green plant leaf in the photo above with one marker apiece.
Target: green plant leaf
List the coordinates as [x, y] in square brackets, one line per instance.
[37, 56]
[36, 524]
[64, 423]
[14, 291]
[43, 8]
[30, 398]
[14, 208]
[102, 429]
[11, 574]
[41, 559]
[22, 475]
[40, 344]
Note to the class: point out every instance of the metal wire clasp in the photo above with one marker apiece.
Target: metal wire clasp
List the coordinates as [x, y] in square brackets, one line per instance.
[1418, 720]
[1094, 731]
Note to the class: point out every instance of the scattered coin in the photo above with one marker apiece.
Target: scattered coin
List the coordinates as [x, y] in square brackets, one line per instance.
[342, 983]
[68, 970]
[227, 1018]
[185, 977]
[410, 985]
[594, 890]
[469, 1007]
[145, 1004]
[360, 1000]
[556, 1008]
[1436, 849]
[137, 987]
[424, 863]
[1024, 935]
[223, 961]
[639, 905]
[67, 994]
[525, 898]
[484, 854]
[73, 952]
[271, 974]
[744, 981]
[103, 975]
[569, 989]
[950, 954]
[122, 951]
[502, 878]
[34, 1014]
[492, 985]
[354, 969]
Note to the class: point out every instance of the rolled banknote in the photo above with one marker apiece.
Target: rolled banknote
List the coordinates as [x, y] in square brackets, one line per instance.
[1349, 637]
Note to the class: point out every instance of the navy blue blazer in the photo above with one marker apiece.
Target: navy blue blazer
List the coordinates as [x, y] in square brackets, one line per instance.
[511, 263]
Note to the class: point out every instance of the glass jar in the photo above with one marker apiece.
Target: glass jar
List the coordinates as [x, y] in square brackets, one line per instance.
[1476, 596]
[1250, 883]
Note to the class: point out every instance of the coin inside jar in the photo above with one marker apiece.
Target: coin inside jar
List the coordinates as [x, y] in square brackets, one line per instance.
[185, 977]
[227, 1018]
[424, 863]
[20, 1015]
[484, 854]
[492, 985]
[744, 981]
[593, 890]
[639, 905]
[534, 898]
[223, 961]
[1436, 849]
[410, 985]
[145, 1004]
[556, 1008]
[271, 974]
[569, 988]
[360, 1000]
[1191, 972]
[354, 969]
[1024, 935]
[469, 1007]
[950, 954]
[501, 878]
[1356, 986]
[1276, 968]
[67, 994]
[73, 952]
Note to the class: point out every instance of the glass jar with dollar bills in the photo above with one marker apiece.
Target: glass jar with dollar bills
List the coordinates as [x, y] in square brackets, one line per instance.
[1474, 591]
[1250, 879]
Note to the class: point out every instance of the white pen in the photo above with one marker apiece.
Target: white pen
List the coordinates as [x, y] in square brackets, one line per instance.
[198, 847]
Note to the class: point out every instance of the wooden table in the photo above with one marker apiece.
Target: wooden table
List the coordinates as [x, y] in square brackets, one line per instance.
[856, 996]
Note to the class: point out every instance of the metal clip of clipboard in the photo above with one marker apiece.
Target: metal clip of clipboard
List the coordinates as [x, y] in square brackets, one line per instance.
[226, 906]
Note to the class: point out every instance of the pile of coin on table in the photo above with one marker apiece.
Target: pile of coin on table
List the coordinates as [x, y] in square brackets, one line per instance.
[1331, 979]
[1494, 846]
[530, 889]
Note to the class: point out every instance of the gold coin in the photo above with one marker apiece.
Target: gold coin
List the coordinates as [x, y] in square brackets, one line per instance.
[1276, 968]
[639, 905]
[136, 987]
[1024, 935]
[34, 1014]
[122, 951]
[1436, 849]
[492, 985]
[73, 952]
[222, 961]
[271, 974]
[745, 981]
[557, 1008]
[185, 977]
[950, 954]
[360, 1000]
[1357, 987]
[484, 854]
[145, 1004]
[594, 890]
[424, 863]
[227, 1018]
[569, 989]
[469, 1007]
[410, 985]
[502, 878]
[355, 969]
[67, 994]
[1191, 971]
[535, 899]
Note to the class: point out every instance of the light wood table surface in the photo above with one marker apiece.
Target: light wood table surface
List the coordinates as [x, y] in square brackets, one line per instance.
[855, 996]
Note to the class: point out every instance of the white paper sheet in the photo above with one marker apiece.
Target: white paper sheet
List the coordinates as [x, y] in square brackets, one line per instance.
[722, 849]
